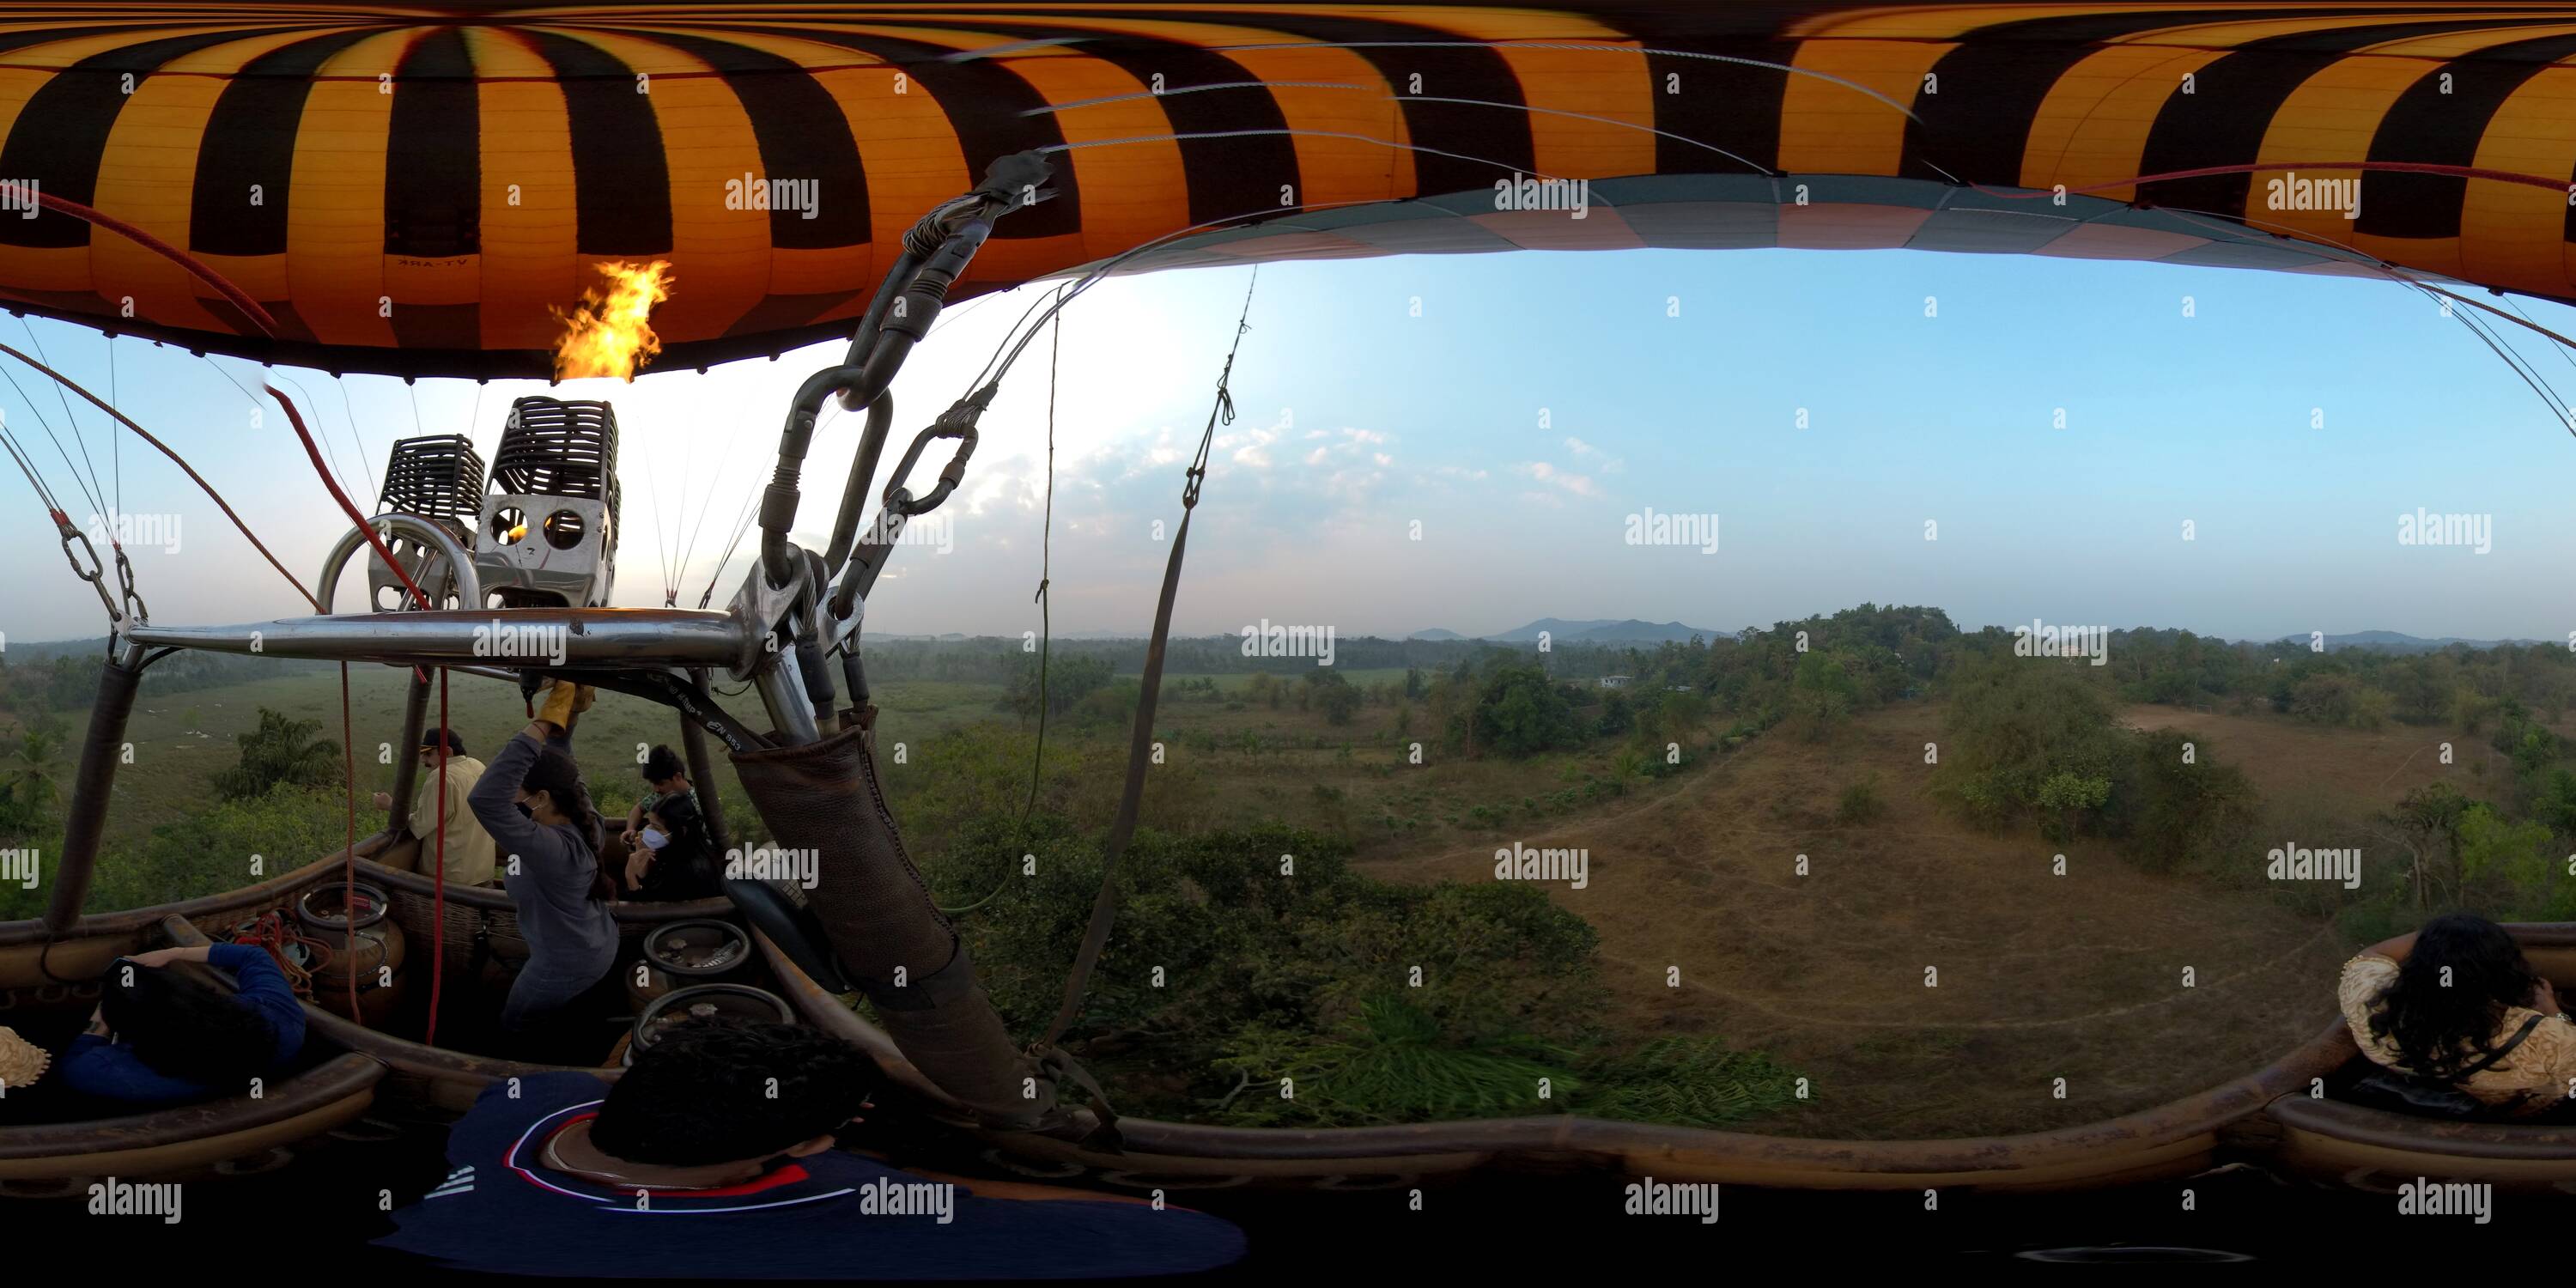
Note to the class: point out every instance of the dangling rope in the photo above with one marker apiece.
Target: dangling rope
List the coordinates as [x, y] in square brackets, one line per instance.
[1046, 627]
[1131, 797]
[438, 890]
[349, 856]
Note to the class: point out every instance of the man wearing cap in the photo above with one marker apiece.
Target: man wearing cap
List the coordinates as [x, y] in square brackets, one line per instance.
[469, 848]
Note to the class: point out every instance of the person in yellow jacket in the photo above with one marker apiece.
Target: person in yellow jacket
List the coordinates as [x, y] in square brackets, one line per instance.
[470, 852]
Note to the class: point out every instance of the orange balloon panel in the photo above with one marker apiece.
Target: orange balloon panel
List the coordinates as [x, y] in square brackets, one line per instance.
[420, 190]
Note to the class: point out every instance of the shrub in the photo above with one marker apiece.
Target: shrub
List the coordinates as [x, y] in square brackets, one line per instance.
[1860, 803]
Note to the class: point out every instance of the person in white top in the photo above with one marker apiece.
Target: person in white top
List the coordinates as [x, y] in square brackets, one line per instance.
[470, 852]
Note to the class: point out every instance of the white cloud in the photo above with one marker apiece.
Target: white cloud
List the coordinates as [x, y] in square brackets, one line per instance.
[1583, 450]
[1578, 484]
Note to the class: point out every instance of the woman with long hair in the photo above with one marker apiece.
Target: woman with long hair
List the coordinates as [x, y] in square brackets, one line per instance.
[2456, 1002]
[531, 799]
[164, 1037]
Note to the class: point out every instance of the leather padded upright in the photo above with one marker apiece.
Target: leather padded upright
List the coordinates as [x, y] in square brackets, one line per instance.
[873, 904]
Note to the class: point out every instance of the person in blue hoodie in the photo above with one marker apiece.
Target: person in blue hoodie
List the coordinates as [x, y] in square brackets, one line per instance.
[162, 1037]
[713, 1159]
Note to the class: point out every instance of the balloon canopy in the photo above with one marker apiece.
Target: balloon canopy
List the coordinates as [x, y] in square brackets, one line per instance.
[419, 190]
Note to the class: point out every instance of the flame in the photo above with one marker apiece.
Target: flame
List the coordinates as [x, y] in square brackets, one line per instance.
[612, 334]
[516, 533]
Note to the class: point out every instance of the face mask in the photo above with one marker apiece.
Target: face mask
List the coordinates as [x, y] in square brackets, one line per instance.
[655, 838]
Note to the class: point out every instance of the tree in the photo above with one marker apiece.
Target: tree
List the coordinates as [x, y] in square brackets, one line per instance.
[1520, 713]
[2515, 852]
[1068, 681]
[2068, 796]
[2015, 725]
[2190, 808]
[280, 750]
[1823, 693]
[1618, 716]
[30, 776]
[2429, 818]
[1336, 697]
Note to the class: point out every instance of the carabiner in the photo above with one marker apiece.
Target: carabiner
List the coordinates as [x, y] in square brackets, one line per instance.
[957, 422]
[142, 613]
[96, 575]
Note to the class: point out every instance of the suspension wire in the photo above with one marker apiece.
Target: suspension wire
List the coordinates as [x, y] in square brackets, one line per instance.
[175, 458]
[706, 502]
[115, 441]
[43, 493]
[741, 525]
[257, 407]
[742, 521]
[653, 479]
[2394, 273]
[48, 427]
[343, 382]
[413, 388]
[2565, 350]
[366, 471]
[74, 421]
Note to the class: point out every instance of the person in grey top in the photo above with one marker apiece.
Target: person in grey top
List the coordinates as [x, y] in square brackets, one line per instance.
[531, 800]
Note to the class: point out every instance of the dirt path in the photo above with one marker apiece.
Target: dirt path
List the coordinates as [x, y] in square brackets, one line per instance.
[2039, 976]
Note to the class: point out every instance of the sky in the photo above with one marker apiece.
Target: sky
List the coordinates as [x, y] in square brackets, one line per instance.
[1468, 442]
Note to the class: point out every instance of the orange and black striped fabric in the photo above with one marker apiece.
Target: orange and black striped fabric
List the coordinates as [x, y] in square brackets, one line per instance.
[412, 189]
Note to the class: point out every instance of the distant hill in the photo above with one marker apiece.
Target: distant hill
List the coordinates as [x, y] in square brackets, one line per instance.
[2399, 642]
[1605, 631]
[1435, 633]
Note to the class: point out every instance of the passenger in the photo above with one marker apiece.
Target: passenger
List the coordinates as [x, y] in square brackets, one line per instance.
[162, 1037]
[532, 801]
[2457, 1003]
[727, 1128]
[670, 852]
[469, 847]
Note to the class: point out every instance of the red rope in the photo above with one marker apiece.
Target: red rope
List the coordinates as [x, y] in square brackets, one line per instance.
[314, 454]
[239, 298]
